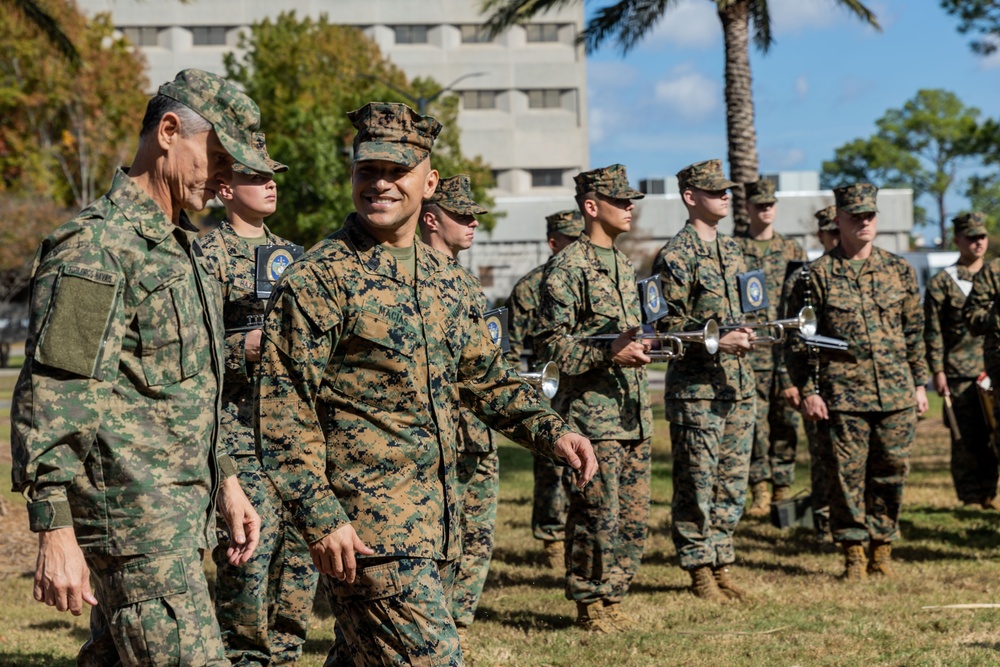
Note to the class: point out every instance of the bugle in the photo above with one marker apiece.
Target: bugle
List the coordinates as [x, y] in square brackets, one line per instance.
[805, 322]
[545, 380]
[670, 345]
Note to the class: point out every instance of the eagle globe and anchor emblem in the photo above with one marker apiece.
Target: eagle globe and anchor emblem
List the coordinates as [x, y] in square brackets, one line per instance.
[652, 297]
[755, 292]
[279, 261]
[493, 326]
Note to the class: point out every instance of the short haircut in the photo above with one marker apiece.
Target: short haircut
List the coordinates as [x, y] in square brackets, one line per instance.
[159, 105]
[582, 197]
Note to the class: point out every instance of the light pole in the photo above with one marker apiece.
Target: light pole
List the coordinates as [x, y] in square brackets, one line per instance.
[423, 101]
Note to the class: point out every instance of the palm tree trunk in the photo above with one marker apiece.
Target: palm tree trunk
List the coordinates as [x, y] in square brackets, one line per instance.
[741, 135]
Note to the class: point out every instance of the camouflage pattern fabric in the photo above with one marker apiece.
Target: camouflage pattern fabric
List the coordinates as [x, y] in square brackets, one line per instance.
[264, 605]
[258, 142]
[473, 435]
[971, 223]
[856, 198]
[393, 132]
[760, 192]
[611, 181]
[455, 195]
[705, 175]
[522, 316]
[153, 611]
[821, 470]
[826, 218]
[550, 499]
[982, 315]
[973, 459]
[568, 223]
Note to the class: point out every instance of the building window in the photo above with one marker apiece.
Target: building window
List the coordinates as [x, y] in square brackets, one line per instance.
[209, 35]
[542, 32]
[475, 34]
[544, 99]
[410, 34]
[144, 36]
[479, 99]
[546, 178]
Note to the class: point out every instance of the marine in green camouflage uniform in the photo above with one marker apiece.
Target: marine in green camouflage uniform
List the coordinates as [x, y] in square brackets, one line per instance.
[869, 298]
[550, 497]
[115, 413]
[709, 398]
[368, 338]
[589, 289]
[982, 315]
[263, 606]
[775, 431]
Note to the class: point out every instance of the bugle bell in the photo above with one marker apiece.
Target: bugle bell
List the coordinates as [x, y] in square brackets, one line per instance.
[545, 380]
[675, 340]
[805, 322]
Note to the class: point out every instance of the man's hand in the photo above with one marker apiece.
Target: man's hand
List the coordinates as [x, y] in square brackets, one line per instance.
[334, 554]
[814, 408]
[737, 342]
[241, 519]
[251, 345]
[578, 454]
[922, 404]
[629, 352]
[940, 384]
[62, 579]
[792, 397]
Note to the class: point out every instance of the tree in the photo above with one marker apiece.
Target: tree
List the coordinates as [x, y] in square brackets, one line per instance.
[977, 16]
[627, 21]
[24, 222]
[305, 75]
[923, 146]
[47, 25]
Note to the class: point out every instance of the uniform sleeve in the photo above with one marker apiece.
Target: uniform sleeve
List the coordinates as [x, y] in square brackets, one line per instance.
[979, 311]
[519, 326]
[561, 302]
[676, 281]
[217, 262]
[933, 337]
[74, 344]
[913, 328]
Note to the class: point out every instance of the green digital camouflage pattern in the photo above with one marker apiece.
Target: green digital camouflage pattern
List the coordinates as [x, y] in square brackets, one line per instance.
[983, 316]
[579, 298]
[393, 132]
[856, 198]
[569, 223]
[878, 313]
[473, 435]
[951, 347]
[611, 181]
[696, 289]
[826, 218]
[259, 145]
[550, 499]
[114, 413]
[971, 223]
[760, 192]
[706, 175]
[522, 317]
[358, 375]
[821, 471]
[455, 195]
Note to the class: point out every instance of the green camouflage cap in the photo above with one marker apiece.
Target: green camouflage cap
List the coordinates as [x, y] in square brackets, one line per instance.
[233, 115]
[972, 223]
[827, 218]
[705, 175]
[610, 181]
[569, 223]
[258, 144]
[393, 132]
[455, 196]
[856, 198]
[760, 192]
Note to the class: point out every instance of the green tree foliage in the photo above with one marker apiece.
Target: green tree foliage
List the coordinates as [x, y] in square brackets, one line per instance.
[47, 26]
[924, 146]
[980, 17]
[306, 75]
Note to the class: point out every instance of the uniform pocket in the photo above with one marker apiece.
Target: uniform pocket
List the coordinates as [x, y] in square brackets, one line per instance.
[377, 582]
[170, 336]
[377, 368]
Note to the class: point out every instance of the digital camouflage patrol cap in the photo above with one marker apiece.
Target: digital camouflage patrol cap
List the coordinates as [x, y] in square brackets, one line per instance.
[856, 198]
[609, 181]
[393, 132]
[260, 147]
[827, 219]
[705, 175]
[233, 115]
[568, 223]
[760, 192]
[972, 223]
[455, 196]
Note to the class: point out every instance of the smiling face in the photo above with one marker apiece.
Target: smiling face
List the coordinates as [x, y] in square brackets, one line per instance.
[251, 197]
[388, 196]
[195, 166]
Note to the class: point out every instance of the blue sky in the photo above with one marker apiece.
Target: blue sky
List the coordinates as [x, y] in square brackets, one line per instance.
[825, 81]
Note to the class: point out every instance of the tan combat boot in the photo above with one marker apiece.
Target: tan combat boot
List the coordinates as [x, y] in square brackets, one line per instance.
[704, 585]
[991, 503]
[761, 505]
[854, 562]
[881, 559]
[555, 554]
[724, 578]
[590, 618]
[613, 612]
[781, 493]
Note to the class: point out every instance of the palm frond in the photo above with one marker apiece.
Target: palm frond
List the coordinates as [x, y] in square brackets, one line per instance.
[862, 12]
[760, 18]
[48, 26]
[627, 21]
[507, 13]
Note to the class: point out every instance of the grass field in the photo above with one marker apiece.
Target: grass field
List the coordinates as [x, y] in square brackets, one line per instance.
[801, 614]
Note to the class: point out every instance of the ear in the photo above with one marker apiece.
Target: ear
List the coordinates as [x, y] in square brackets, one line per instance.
[590, 207]
[431, 184]
[429, 221]
[688, 196]
[225, 191]
[169, 130]
[553, 244]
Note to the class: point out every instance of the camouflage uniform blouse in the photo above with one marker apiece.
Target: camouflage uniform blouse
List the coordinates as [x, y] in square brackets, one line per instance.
[579, 298]
[473, 435]
[114, 413]
[696, 289]
[357, 404]
[522, 306]
[878, 313]
[982, 315]
[951, 347]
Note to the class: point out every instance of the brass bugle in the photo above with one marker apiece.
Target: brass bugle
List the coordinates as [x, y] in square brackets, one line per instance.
[675, 340]
[805, 322]
[545, 380]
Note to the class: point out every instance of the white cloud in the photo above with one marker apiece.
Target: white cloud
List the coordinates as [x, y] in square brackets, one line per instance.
[691, 23]
[782, 158]
[690, 94]
[802, 86]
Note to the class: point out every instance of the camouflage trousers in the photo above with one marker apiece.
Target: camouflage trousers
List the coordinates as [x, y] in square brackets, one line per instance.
[478, 488]
[152, 610]
[395, 613]
[263, 606]
[973, 459]
[820, 468]
[710, 442]
[551, 500]
[607, 522]
[871, 457]
[775, 436]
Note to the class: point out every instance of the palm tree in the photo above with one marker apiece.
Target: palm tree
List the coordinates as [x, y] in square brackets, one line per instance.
[47, 25]
[626, 22]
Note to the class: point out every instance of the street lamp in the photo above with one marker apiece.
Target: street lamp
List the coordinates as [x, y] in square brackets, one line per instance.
[422, 102]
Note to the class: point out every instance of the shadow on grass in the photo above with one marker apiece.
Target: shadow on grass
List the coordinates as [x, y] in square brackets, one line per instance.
[76, 631]
[523, 619]
[549, 580]
[33, 660]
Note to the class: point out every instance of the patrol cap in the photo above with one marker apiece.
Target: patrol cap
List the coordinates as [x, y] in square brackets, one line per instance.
[260, 147]
[856, 198]
[233, 115]
[705, 175]
[455, 196]
[760, 192]
[609, 181]
[393, 132]
[972, 223]
[827, 218]
[567, 223]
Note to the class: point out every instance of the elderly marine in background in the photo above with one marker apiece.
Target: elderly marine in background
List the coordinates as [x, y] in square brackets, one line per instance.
[367, 337]
[115, 413]
[551, 486]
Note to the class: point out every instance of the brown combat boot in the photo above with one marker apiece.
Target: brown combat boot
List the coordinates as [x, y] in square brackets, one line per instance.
[991, 503]
[781, 493]
[555, 554]
[704, 585]
[613, 612]
[881, 559]
[590, 618]
[724, 578]
[854, 562]
[761, 505]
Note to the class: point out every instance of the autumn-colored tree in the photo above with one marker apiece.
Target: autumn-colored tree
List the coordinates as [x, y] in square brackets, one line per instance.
[24, 222]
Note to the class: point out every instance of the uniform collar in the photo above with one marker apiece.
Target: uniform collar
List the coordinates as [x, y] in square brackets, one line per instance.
[376, 260]
[590, 252]
[842, 265]
[141, 210]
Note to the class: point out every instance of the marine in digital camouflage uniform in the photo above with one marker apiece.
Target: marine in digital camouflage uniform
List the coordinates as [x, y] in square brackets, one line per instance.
[115, 413]
[589, 289]
[263, 606]
[551, 488]
[775, 431]
[869, 298]
[709, 398]
[367, 338]
[955, 360]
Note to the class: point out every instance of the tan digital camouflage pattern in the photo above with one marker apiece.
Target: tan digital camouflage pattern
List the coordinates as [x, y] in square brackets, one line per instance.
[760, 192]
[982, 315]
[973, 461]
[259, 145]
[549, 499]
[611, 181]
[522, 317]
[951, 347]
[972, 223]
[455, 195]
[826, 218]
[856, 198]
[393, 132]
[568, 223]
[706, 175]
